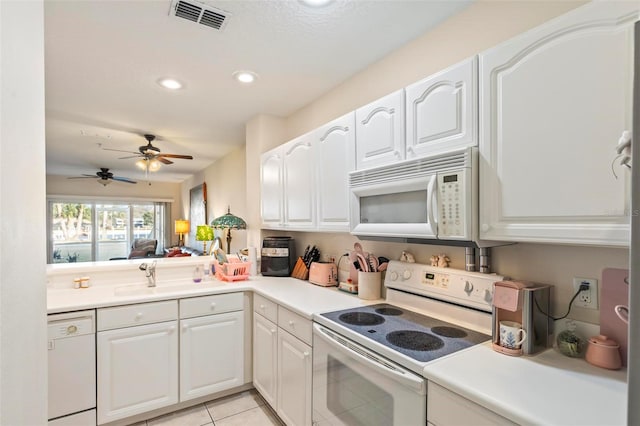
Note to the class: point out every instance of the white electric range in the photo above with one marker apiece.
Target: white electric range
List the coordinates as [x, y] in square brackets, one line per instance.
[368, 361]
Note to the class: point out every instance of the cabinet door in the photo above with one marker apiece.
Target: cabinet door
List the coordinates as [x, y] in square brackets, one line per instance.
[294, 380]
[380, 131]
[137, 370]
[271, 188]
[265, 358]
[211, 354]
[334, 158]
[554, 102]
[442, 111]
[299, 183]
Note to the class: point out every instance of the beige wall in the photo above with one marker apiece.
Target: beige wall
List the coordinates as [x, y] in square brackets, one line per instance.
[60, 185]
[482, 25]
[226, 187]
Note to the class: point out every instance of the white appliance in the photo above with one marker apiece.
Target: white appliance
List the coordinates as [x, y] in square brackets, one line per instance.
[368, 361]
[72, 369]
[431, 198]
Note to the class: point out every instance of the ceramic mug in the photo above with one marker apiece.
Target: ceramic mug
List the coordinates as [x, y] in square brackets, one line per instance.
[509, 332]
[622, 312]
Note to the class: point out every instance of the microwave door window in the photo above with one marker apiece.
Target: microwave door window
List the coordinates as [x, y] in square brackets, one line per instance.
[399, 207]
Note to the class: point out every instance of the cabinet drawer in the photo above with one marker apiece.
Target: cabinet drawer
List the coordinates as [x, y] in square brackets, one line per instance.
[448, 408]
[265, 307]
[143, 313]
[295, 324]
[207, 305]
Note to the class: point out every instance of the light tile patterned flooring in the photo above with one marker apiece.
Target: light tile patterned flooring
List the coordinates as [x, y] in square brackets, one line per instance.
[241, 409]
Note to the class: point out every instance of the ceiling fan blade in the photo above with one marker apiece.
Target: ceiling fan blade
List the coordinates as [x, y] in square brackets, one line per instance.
[130, 156]
[82, 177]
[119, 150]
[184, 157]
[163, 160]
[123, 179]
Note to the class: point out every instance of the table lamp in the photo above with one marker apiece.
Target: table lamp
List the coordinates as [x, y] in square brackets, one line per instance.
[182, 227]
[228, 222]
[204, 233]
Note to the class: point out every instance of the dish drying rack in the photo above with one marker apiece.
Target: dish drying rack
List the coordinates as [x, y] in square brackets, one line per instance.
[234, 270]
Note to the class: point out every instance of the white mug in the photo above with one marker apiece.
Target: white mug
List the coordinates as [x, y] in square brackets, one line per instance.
[509, 332]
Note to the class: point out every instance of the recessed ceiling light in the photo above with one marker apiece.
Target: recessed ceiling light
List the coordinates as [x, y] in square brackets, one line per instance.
[315, 3]
[170, 83]
[245, 76]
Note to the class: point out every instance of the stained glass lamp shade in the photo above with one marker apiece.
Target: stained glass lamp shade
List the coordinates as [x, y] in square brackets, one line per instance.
[228, 222]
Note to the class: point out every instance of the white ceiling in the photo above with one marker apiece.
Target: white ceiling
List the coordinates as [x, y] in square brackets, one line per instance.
[103, 59]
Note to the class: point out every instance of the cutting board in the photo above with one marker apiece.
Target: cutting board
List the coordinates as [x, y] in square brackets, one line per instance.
[614, 291]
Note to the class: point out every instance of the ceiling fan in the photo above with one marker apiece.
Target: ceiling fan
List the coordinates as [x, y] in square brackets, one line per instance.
[150, 156]
[105, 177]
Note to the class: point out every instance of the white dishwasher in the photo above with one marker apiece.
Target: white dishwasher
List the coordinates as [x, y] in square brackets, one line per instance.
[72, 369]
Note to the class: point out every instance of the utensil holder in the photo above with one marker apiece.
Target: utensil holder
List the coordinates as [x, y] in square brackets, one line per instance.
[369, 285]
[300, 270]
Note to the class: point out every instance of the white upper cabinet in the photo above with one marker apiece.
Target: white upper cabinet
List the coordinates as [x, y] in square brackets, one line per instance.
[299, 183]
[442, 111]
[271, 188]
[380, 131]
[554, 102]
[334, 159]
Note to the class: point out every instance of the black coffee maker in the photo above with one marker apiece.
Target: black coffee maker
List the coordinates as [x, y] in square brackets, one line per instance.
[278, 256]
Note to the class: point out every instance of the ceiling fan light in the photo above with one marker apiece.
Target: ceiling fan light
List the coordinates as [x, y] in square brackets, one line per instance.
[104, 182]
[154, 165]
[142, 164]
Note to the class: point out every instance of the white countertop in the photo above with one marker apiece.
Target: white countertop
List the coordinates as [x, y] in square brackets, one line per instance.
[547, 389]
[299, 296]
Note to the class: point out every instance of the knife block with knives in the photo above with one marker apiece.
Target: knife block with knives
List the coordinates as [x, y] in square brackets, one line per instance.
[301, 268]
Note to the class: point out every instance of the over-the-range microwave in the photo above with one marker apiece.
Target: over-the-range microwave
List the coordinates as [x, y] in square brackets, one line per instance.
[430, 200]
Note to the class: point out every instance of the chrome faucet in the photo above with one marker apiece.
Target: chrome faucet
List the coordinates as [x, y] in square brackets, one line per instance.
[150, 273]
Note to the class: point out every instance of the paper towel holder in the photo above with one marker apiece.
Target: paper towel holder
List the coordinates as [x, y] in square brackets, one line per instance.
[526, 303]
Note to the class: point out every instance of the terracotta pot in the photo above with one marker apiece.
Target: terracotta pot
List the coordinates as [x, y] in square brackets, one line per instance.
[603, 352]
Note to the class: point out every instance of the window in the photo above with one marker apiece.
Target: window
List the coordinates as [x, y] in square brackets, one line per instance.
[87, 232]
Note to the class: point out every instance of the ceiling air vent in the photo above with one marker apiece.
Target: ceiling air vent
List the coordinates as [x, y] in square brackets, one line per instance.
[200, 13]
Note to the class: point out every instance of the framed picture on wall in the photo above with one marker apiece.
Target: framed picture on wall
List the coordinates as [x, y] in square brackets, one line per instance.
[197, 210]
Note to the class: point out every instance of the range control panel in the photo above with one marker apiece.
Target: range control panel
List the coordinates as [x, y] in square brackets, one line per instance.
[471, 289]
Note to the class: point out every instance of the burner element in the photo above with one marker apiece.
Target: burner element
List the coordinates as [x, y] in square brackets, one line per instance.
[361, 318]
[414, 340]
[389, 311]
[449, 332]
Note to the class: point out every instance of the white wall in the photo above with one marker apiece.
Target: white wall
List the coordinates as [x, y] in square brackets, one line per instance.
[481, 26]
[23, 332]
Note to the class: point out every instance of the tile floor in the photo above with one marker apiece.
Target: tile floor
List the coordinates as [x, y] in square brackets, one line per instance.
[242, 409]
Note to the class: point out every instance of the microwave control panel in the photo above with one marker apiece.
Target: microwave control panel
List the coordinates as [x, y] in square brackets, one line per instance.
[452, 205]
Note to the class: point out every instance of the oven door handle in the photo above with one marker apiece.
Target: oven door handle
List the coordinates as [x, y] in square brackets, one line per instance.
[381, 365]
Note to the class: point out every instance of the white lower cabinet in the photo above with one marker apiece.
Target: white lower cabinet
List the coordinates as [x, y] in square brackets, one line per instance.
[446, 408]
[294, 380]
[137, 370]
[150, 357]
[265, 357]
[282, 367]
[210, 349]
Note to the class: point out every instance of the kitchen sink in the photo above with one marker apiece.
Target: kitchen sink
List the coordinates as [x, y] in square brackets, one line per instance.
[139, 290]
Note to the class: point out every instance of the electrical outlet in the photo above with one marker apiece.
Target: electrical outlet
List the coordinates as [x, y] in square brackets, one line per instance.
[589, 298]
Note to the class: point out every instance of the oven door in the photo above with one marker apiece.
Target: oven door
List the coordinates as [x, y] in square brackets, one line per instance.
[354, 386]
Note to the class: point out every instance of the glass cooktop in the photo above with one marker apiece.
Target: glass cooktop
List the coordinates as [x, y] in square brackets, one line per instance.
[417, 336]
